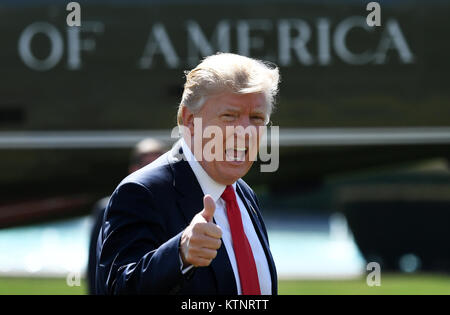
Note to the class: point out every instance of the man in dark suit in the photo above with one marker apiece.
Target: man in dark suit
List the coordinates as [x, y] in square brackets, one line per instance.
[187, 223]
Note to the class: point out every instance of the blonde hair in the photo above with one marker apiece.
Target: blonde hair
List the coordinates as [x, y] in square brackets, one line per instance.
[228, 72]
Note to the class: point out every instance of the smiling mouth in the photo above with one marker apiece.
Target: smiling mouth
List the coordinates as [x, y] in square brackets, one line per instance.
[236, 154]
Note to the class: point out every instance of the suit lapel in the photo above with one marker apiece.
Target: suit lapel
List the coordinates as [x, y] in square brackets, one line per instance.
[190, 201]
[221, 266]
[190, 198]
[261, 236]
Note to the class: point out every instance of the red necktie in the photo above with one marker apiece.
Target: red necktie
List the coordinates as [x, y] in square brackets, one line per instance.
[242, 250]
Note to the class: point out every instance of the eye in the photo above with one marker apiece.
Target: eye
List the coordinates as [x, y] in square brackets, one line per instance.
[228, 116]
[257, 120]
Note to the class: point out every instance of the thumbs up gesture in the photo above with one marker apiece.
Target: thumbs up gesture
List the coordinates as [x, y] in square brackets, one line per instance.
[201, 239]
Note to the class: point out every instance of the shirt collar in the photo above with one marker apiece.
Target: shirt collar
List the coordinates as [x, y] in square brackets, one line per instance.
[208, 185]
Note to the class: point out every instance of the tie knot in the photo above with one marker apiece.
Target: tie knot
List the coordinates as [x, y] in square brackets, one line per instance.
[228, 194]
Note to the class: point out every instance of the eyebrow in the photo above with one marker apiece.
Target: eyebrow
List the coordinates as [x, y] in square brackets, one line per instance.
[257, 112]
[232, 108]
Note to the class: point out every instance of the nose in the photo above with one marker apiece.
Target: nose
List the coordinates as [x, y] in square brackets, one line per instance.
[245, 132]
[244, 121]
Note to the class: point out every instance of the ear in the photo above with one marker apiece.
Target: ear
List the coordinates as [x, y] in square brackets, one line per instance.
[187, 118]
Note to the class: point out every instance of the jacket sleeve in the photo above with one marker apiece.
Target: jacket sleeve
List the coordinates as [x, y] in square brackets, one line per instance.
[136, 255]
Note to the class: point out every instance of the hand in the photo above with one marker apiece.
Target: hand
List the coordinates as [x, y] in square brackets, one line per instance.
[201, 239]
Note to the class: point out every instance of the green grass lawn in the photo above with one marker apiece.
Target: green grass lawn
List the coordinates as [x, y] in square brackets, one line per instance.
[390, 284]
[19, 285]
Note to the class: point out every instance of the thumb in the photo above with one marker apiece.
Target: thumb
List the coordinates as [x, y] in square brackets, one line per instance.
[209, 208]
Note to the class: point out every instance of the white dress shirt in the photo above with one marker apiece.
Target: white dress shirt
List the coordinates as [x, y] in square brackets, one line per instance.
[211, 187]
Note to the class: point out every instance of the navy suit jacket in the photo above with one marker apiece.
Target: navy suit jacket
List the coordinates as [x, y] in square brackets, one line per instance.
[138, 245]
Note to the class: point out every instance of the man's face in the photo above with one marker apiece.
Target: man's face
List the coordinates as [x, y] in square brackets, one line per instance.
[231, 110]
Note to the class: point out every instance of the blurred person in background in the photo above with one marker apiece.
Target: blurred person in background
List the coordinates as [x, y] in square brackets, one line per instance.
[145, 152]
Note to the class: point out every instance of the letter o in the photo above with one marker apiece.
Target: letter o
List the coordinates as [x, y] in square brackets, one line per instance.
[56, 43]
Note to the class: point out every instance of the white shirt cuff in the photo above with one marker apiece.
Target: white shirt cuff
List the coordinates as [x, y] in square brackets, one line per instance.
[186, 269]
